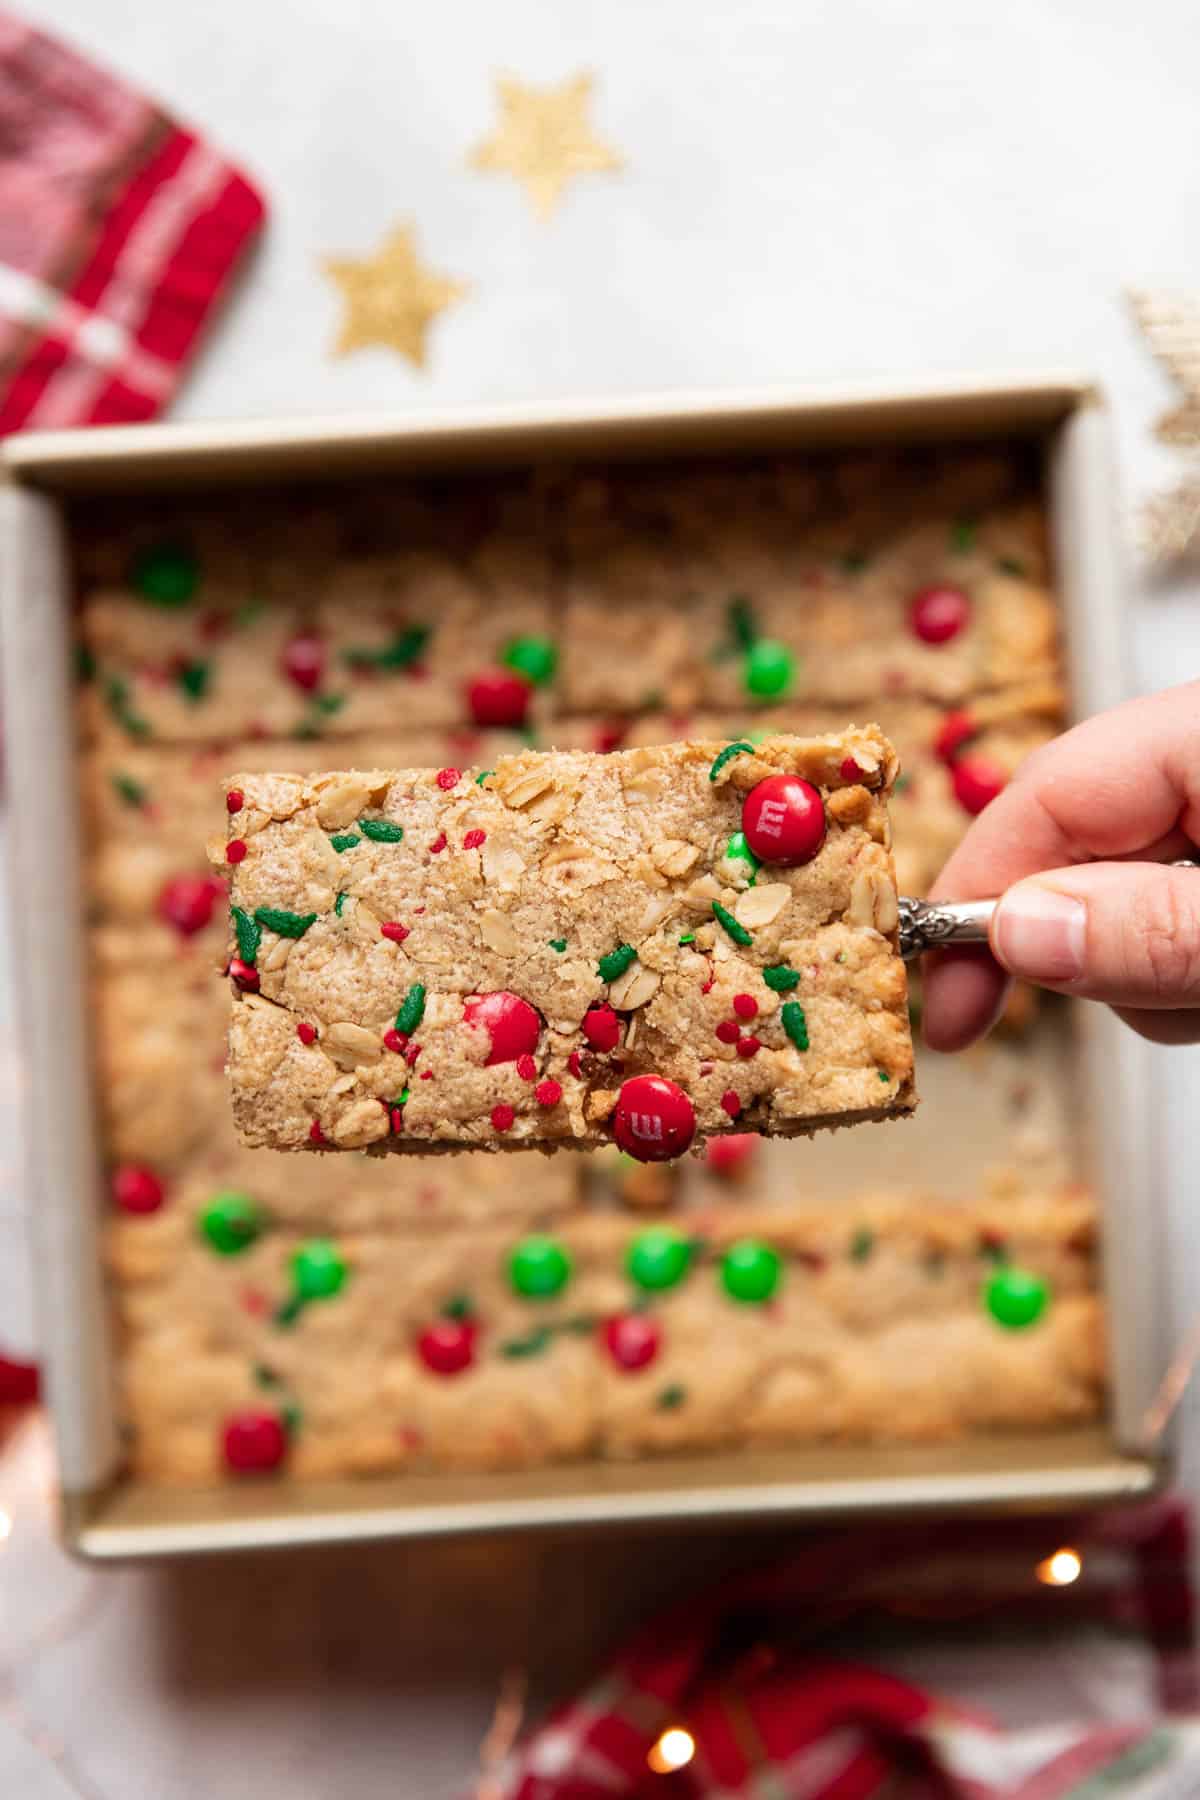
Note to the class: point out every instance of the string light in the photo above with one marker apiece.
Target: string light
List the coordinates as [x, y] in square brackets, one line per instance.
[674, 1750]
[1061, 1569]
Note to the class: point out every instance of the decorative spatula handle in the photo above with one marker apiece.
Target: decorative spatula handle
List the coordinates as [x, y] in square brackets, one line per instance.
[931, 925]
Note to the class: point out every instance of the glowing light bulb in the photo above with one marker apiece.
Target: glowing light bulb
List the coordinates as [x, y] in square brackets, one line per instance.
[1061, 1569]
[674, 1750]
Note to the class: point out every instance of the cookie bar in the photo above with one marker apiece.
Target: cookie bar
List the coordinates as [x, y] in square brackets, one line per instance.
[656, 945]
[365, 1351]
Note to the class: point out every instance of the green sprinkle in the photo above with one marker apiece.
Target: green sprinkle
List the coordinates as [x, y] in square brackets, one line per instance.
[689, 937]
[266, 1378]
[741, 748]
[740, 617]
[290, 1311]
[1008, 565]
[166, 574]
[291, 1418]
[962, 536]
[400, 653]
[482, 776]
[85, 663]
[758, 737]
[130, 791]
[338, 904]
[381, 831]
[854, 561]
[193, 679]
[402, 1097]
[795, 1023]
[116, 698]
[558, 944]
[861, 1245]
[247, 614]
[781, 979]
[533, 1345]
[616, 962]
[725, 918]
[459, 1306]
[671, 1398]
[883, 1076]
[345, 840]
[249, 935]
[902, 781]
[287, 924]
[534, 657]
[412, 1010]
[329, 703]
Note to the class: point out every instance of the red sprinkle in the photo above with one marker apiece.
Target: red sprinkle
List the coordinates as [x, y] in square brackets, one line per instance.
[253, 1443]
[439, 843]
[937, 614]
[574, 1064]
[306, 1033]
[396, 1119]
[235, 800]
[394, 930]
[548, 1093]
[748, 1047]
[473, 839]
[601, 1027]
[235, 849]
[526, 1068]
[315, 1134]
[395, 1040]
[729, 1031]
[709, 985]
[137, 1189]
[745, 1006]
[303, 661]
[731, 1104]
[977, 781]
[956, 729]
[502, 1118]
[426, 1074]
[851, 770]
[725, 1155]
[448, 778]
[608, 737]
[411, 1055]
[254, 1301]
[245, 976]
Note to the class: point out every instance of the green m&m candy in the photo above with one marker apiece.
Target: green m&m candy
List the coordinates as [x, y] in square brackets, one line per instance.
[770, 669]
[738, 850]
[231, 1222]
[750, 1271]
[658, 1259]
[539, 1268]
[318, 1270]
[536, 658]
[1015, 1298]
[166, 574]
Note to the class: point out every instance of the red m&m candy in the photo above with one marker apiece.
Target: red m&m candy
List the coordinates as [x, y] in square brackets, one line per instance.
[955, 730]
[632, 1340]
[654, 1120]
[137, 1189]
[448, 1347]
[303, 661]
[725, 1155]
[783, 820]
[937, 614]
[511, 1022]
[499, 698]
[977, 780]
[253, 1443]
[187, 901]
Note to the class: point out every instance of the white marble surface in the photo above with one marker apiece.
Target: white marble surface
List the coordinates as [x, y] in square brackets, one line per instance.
[839, 189]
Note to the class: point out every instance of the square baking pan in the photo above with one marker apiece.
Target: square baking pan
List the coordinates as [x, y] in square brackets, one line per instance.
[109, 1515]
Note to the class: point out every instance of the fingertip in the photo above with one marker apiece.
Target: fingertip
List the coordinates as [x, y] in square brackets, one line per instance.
[964, 995]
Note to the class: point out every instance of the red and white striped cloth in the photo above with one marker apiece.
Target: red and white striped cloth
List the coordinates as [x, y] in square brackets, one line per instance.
[119, 231]
[757, 1675]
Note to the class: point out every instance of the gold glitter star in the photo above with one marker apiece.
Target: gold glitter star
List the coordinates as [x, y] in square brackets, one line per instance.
[390, 297]
[544, 139]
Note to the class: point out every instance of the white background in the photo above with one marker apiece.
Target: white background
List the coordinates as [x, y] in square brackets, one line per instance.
[812, 192]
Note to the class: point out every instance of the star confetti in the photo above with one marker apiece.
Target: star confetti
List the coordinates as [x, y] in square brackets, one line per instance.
[544, 139]
[391, 298]
[1169, 525]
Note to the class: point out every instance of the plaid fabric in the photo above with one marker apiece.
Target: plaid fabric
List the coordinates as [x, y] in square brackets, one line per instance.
[751, 1672]
[119, 231]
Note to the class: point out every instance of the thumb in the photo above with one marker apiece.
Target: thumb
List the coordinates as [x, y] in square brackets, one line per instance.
[1125, 933]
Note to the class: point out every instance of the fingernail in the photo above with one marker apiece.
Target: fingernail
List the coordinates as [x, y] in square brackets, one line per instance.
[1041, 934]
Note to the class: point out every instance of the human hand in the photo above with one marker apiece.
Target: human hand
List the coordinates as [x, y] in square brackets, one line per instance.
[1069, 847]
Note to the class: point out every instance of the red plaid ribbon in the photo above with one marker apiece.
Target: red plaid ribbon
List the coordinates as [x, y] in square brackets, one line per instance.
[119, 231]
[769, 1714]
